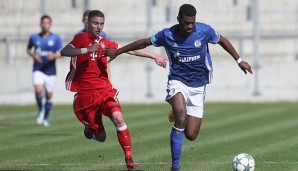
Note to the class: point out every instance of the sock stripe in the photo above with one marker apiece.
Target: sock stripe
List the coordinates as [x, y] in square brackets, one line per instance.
[179, 129]
[124, 127]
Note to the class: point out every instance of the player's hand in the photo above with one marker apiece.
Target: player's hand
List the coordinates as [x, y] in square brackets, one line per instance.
[111, 53]
[37, 58]
[245, 67]
[93, 48]
[51, 56]
[160, 61]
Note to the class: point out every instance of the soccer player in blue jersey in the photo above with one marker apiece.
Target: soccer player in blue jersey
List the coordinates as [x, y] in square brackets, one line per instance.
[44, 48]
[190, 71]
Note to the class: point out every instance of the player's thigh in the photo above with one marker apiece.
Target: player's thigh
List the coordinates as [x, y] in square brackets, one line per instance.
[177, 97]
[179, 110]
[195, 111]
[38, 89]
[112, 109]
[38, 81]
[50, 84]
[192, 128]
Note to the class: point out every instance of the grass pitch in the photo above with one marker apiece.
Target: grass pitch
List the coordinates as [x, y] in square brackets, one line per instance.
[267, 131]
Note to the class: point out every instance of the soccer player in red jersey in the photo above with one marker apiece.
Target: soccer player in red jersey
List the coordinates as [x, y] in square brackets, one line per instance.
[88, 77]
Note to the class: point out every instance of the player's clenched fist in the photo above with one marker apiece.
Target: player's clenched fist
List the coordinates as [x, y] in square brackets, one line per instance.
[112, 53]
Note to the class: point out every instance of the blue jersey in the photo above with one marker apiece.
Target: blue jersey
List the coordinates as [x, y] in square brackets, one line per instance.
[44, 46]
[189, 61]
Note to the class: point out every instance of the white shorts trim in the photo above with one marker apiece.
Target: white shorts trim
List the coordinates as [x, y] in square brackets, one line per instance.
[49, 81]
[194, 97]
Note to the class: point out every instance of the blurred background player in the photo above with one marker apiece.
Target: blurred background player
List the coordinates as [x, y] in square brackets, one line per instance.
[44, 48]
[190, 71]
[85, 22]
[89, 78]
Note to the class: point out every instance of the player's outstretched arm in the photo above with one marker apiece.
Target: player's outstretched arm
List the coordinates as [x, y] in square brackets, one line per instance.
[225, 43]
[139, 44]
[158, 59]
[70, 51]
[135, 48]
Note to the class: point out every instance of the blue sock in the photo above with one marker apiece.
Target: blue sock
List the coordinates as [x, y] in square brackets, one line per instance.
[39, 102]
[48, 107]
[177, 136]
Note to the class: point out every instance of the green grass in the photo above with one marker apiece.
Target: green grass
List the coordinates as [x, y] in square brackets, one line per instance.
[267, 131]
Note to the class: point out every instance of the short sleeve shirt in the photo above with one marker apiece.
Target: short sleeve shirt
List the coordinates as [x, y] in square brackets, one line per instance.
[89, 71]
[42, 47]
[189, 61]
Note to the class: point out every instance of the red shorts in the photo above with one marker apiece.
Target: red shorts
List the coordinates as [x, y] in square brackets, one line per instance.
[89, 107]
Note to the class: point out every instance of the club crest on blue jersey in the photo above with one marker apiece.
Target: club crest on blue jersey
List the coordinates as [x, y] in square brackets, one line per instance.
[197, 43]
[177, 54]
[51, 43]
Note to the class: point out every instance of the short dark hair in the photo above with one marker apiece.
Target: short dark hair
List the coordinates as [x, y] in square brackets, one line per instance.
[45, 17]
[187, 10]
[95, 13]
[85, 14]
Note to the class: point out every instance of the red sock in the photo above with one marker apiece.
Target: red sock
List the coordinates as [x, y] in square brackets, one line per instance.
[124, 140]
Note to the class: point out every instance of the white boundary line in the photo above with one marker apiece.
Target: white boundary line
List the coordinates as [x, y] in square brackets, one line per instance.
[23, 115]
[160, 163]
[15, 116]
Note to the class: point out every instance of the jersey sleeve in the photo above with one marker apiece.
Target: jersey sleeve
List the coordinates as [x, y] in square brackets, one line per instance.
[78, 41]
[112, 44]
[158, 39]
[30, 43]
[214, 35]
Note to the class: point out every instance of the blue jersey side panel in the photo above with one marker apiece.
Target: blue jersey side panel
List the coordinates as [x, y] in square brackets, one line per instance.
[189, 61]
[44, 46]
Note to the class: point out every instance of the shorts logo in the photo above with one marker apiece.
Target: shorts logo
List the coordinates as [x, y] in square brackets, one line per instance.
[197, 43]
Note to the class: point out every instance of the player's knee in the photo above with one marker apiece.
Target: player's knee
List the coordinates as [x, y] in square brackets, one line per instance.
[180, 120]
[191, 137]
[49, 96]
[117, 119]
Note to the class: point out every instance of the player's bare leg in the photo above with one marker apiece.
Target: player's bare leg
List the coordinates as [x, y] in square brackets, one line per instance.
[171, 116]
[124, 139]
[192, 128]
[179, 110]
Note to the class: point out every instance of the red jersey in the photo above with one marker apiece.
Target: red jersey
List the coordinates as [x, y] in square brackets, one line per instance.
[88, 71]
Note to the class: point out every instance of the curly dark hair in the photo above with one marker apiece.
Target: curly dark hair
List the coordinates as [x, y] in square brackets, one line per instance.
[187, 10]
